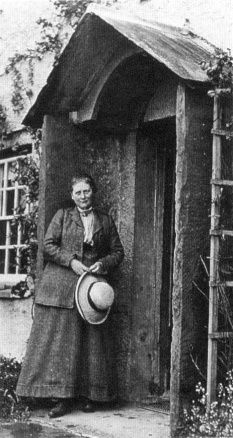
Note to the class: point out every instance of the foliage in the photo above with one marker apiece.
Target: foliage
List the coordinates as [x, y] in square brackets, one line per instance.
[198, 351]
[3, 117]
[219, 70]
[27, 174]
[23, 289]
[10, 406]
[71, 10]
[217, 421]
[26, 171]
[22, 88]
[54, 36]
[3, 125]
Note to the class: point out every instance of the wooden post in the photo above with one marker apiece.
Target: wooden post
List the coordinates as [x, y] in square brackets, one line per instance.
[214, 258]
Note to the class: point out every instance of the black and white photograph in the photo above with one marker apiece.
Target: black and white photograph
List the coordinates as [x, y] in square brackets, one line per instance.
[116, 218]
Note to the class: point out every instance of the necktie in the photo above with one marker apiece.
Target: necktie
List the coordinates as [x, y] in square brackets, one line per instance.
[85, 213]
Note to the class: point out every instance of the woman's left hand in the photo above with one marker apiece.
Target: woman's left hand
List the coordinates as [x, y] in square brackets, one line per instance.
[97, 268]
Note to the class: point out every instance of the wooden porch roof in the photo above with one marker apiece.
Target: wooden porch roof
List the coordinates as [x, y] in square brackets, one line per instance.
[98, 36]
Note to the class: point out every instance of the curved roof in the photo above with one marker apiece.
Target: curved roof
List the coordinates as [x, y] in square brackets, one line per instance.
[181, 52]
[97, 38]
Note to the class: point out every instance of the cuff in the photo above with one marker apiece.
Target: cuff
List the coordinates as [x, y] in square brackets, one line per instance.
[73, 257]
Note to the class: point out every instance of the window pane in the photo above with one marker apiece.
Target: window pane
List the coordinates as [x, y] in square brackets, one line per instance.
[23, 260]
[24, 236]
[1, 186]
[22, 201]
[1, 203]
[11, 174]
[2, 232]
[1, 175]
[2, 261]
[12, 261]
[10, 202]
[14, 233]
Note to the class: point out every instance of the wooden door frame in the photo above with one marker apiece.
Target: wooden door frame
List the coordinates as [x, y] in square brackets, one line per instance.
[153, 314]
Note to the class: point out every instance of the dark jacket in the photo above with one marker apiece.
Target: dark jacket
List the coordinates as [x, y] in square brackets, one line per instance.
[63, 242]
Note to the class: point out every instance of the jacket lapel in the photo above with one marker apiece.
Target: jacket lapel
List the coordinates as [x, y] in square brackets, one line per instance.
[76, 217]
[97, 222]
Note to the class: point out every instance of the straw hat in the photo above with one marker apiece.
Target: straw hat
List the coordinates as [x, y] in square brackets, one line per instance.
[94, 298]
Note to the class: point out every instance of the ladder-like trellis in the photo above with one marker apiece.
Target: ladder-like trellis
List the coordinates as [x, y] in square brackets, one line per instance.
[215, 235]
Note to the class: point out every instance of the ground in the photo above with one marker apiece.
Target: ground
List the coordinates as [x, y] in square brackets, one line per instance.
[127, 422]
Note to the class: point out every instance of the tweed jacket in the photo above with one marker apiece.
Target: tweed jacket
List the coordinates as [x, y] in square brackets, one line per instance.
[63, 242]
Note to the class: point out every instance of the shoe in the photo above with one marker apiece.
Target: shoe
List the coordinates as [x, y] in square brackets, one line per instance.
[31, 403]
[60, 409]
[36, 403]
[88, 407]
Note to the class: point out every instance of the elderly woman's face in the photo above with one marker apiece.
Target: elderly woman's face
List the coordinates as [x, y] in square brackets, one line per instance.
[82, 195]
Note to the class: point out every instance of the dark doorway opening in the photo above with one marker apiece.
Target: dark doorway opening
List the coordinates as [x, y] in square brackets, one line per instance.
[153, 260]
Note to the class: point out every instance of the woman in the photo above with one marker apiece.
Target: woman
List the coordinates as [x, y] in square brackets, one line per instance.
[66, 358]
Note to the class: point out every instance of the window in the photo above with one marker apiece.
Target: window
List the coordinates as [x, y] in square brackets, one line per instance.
[12, 196]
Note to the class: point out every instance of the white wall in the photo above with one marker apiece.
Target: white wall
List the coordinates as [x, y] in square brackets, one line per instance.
[16, 321]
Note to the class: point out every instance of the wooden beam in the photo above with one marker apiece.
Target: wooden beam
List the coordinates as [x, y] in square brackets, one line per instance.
[219, 92]
[214, 256]
[222, 182]
[222, 132]
[220, 335]
[219, 233]
[181, 170]
[228, 283]
[221, 283]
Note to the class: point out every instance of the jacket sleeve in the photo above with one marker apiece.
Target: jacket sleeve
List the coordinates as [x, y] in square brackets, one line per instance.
[52, 242]
[116, 251]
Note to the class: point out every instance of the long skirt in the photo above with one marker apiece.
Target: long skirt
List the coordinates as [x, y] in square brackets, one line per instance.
[68, 358]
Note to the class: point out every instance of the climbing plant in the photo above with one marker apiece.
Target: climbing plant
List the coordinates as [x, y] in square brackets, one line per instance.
[26, 173]
[3, 125]
[219, 69]
[53, 37]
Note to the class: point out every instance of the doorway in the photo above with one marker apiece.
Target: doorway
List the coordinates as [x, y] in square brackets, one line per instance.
[153, 258]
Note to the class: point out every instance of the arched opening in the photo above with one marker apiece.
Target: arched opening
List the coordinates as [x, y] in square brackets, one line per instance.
[125, 96]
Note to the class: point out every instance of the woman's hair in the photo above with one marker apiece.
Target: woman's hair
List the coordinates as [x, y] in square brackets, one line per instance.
[84, 177]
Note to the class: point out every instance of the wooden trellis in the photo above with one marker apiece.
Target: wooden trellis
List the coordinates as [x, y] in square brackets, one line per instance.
[215, 235]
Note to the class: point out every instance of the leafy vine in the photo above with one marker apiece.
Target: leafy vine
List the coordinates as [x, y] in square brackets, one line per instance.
[219, 70]
[54, 36]
[3, 125]
[26, 172]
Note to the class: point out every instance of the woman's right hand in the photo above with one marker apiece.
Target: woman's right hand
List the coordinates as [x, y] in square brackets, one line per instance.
[78, 267]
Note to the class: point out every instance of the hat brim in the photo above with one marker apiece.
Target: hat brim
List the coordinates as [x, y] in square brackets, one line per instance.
[88, 313]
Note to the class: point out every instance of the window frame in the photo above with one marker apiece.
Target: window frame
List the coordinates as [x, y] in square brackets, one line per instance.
[6, 277]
